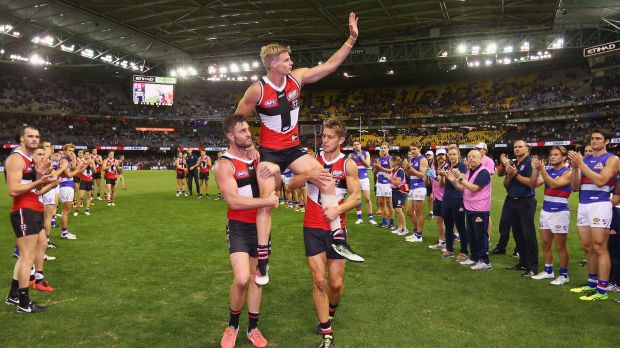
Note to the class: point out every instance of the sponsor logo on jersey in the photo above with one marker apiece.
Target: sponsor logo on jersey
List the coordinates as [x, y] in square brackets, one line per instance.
[294, 137]
[596, 220]
[599, 166]
[292, 95]
[478, 219]
[295, 104]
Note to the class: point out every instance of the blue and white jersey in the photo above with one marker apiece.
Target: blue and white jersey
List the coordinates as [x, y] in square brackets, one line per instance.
[556, 199]
[362, 170]
[383, 177]
[590, 193]
[287, 173]
[414, 181]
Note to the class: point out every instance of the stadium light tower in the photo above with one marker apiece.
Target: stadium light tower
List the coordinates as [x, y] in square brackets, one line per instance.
[461, 48]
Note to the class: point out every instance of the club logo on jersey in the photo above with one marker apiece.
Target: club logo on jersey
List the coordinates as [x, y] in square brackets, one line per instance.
[294, 137]
[242, 174]
[292, 95]
[269, 103]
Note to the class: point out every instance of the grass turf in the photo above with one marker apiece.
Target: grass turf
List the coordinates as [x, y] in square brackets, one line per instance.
[154, 271]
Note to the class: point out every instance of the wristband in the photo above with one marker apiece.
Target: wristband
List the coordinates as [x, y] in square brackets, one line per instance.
[346, 43]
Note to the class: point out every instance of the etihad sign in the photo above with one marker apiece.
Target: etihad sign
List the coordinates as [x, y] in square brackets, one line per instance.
[600, 49]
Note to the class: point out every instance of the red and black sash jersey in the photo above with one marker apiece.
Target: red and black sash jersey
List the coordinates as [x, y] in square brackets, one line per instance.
[110, 172]
[278, 110]
[180, 163]
[244, 172]
[314, 218]
[204, 167]
[29, 199]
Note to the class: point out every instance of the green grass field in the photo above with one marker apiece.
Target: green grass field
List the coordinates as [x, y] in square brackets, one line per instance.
[154, 271]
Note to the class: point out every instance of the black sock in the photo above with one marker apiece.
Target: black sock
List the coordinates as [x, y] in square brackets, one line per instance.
[31, 277]
[23, 297]
[14, 292]
[253, 321]
[326, 327]
[234, 319]
[332, 309]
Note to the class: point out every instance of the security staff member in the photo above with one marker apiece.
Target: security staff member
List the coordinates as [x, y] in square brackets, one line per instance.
[192, 172]
[518, 211]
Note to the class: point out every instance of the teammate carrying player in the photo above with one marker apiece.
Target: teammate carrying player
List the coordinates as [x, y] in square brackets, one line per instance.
[322, 259]
[235, 173]
[276, 99]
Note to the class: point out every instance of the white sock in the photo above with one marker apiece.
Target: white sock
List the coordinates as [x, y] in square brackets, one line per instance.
[331, 201]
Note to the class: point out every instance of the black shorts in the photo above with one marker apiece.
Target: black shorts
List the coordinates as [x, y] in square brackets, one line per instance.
[317, 241]
[283, 158]
[86, 185]
[96, 175]
[398, 198]
[76, 180]
[429, 191]
[437, 207]
[204, 176]
[242, 238]
[110, 182]
[180, 175]
[26, 222]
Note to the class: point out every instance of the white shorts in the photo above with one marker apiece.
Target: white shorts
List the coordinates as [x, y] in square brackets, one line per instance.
[418, 194]
[384, 190]
[66, 194]
[49, 198]
[365, 183]
[557, 222]
[596, 215]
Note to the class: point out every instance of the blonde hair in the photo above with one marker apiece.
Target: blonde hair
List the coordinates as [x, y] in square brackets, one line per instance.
[270, 52]
[68, 146]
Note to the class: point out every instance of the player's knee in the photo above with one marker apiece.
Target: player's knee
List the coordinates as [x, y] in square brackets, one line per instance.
[599, 248]
[241, 281]
[336, 286]
[320, 284]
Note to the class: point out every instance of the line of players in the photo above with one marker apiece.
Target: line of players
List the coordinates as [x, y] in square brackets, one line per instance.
[594, 176]
[37, 178]
[191, 169]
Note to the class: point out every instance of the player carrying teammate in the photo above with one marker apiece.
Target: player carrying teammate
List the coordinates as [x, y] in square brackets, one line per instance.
[235, 173]
[276, 99]
[322, 259]
[595, 176]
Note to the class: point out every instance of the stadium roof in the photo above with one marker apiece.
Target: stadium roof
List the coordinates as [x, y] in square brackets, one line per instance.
[176, 31]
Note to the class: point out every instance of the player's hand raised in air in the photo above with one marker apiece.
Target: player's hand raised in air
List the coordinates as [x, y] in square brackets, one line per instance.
[353, 25]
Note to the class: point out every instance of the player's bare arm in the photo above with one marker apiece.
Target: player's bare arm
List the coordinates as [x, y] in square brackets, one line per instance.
[310, 75]
[352, 199]
[224, 175]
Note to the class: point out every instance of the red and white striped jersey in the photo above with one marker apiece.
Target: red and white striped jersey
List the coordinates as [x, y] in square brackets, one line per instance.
[87, 173]
[278, 110]
[29, 199]
[314, 218]
[244, 172]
